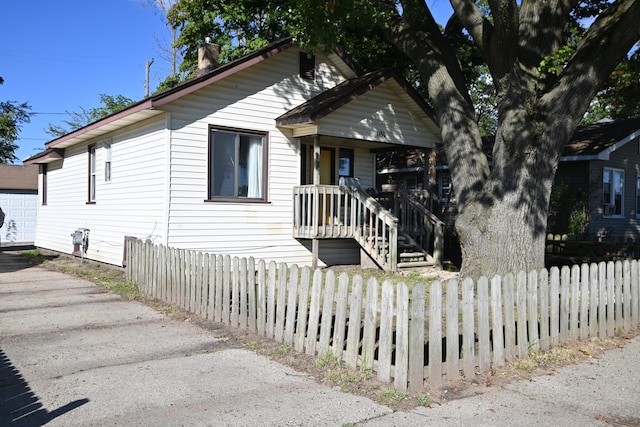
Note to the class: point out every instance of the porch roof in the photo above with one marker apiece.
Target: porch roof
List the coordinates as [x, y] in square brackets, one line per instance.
[308, 118]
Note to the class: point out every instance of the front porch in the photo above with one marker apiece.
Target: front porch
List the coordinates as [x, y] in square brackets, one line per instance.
[407, 235]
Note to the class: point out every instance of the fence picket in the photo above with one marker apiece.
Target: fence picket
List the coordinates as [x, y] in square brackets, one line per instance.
[243, 294]
[554, 310]
[521, 310]
[611, 299]
[234, 308]
[532, 310]
[452, 333]
[468, 328]
[619, 321]
[271, 299]
[626, 299]
[314, 312]
[635, 292]
[435, 333]
[602, 299]
[219, 287]
[354, 327]
[565, 284]
[574, 303]
[291, 308]
[484, 344]
[416, 338]
[326, 320]
[211, 291]
[340, 322]
[370, 324]
[281, 301]
[545, 332]
[261, 298]
[401, 372]
[584, 301]
[510, 349]
[251, 294]
[303, 305]
[385, 344]
[226, 289]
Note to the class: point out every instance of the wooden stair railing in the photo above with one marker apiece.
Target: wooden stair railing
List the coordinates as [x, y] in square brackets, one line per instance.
[329, 211]
[420, 224]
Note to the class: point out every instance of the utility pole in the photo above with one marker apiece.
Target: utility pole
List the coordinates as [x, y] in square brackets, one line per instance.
[146, 82]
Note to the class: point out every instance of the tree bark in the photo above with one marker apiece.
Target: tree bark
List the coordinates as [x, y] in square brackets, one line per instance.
[503, 209]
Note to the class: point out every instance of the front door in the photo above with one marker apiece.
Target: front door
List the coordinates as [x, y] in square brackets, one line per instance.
[327, 165]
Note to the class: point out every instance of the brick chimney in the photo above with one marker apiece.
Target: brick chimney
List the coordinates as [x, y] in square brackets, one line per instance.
[207, 57]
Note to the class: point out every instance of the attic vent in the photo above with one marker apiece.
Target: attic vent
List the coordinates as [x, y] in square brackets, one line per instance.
[307, 66]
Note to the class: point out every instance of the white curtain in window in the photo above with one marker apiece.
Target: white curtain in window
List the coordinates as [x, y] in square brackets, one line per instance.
[254, 168]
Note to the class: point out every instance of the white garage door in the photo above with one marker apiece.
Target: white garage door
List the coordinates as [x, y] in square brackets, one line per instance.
[20, 210]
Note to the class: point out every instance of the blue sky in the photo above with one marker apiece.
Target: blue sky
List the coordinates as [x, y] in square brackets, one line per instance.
[60, 56]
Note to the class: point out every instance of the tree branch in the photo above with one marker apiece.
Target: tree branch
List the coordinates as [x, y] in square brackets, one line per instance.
[541, 29]
[606, 42]
[472, 19]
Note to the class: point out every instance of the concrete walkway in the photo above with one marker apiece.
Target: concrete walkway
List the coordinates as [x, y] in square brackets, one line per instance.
[72, 354]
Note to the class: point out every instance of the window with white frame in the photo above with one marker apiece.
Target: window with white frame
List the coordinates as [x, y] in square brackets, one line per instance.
[92, 174]
[107, 161]
[237, 164]
[613, 192]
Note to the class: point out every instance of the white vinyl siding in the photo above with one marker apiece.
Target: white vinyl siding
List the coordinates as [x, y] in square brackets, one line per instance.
[248, 100]
[380, 115]
[131, 205]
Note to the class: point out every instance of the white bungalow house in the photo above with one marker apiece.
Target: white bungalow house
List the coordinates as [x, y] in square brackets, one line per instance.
[245, 159]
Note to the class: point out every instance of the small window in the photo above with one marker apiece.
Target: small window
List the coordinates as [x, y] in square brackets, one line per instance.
[613, 192]
[92, 174]
[45, 168]
[345, 162]
[107, 161]
[445, 189]
[307, 66]
[237, 162]
[638, 196]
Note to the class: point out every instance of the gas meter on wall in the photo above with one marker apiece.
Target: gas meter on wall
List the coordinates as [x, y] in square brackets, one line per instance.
[80, 237]
[77, 237]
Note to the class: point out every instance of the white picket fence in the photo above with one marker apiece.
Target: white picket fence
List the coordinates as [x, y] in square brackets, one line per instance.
[429, 333]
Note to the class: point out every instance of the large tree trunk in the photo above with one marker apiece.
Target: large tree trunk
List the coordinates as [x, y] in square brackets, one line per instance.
[506, 233]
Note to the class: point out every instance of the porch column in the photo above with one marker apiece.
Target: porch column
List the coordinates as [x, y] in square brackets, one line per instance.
[316, 181]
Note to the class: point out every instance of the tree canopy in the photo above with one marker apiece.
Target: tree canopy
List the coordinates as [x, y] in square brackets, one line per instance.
[110, 104]
[13, 115]
[540, 62]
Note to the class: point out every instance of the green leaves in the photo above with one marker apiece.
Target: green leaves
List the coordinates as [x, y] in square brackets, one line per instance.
[110, 104]
[12, 116]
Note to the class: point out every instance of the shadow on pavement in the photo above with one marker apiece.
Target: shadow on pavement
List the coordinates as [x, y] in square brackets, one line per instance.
[11, 260]
[19, 406]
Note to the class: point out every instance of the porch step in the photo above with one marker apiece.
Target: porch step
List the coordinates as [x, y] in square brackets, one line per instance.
[415, 265]
[408, 256]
